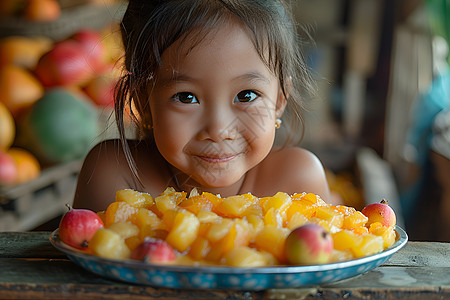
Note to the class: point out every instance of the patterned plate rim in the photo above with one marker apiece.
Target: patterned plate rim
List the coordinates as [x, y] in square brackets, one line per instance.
[401, 241]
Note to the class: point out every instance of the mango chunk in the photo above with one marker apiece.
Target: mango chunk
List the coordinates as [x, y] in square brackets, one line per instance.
[184, 230]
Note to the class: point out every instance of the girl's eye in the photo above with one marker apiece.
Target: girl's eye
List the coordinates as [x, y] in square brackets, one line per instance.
[185, 97]
[246, 96]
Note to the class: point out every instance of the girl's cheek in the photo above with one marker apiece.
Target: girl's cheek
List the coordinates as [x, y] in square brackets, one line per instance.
[259, 117]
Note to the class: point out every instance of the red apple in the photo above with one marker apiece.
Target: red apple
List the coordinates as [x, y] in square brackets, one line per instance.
[64, 65]
[309, 244]
[154, 251]
[78, 226]
[101, 90]
[93, 48]
[380, 212]
[8, 169]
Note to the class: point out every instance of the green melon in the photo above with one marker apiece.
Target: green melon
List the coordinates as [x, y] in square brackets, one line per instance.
[60, 127]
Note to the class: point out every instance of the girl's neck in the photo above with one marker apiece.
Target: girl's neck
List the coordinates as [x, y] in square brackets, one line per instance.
[182, 182]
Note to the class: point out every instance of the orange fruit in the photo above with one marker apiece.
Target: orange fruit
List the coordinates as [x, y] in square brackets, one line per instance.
[19, 89]
[7, 127]
[23, 51]
[43, 10]
[27, 165]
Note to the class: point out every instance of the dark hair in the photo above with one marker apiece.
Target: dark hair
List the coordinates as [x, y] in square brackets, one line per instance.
[149, 27]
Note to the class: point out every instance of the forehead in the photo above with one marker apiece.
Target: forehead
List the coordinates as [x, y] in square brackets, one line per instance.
[219, 47]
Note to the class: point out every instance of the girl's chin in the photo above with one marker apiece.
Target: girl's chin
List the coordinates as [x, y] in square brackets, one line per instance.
[211, 180]
[221, 182]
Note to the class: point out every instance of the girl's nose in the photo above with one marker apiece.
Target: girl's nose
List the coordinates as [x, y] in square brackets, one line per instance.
[219, 124]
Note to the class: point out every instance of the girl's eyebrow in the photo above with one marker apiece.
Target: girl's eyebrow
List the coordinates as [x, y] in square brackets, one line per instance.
[176, 77]
[253, 77]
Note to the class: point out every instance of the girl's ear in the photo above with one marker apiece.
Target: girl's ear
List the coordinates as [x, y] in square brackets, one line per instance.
[282, 101]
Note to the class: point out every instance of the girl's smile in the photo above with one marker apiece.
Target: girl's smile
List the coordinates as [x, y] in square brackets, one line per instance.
[217, 159]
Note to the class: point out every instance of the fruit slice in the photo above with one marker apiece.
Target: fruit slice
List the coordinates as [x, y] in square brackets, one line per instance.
[280, 201]
[134, 198]
[234, 206]
[200, 248]
[219, 229]
[297, 220]
[347, 240]
[245, 257]
[371, 244]
[184, 230]
[353, 220]
[387, 233]
[273, 217]
[222, 246]
[165, 202]
[330, 215]
[119, 212]
[109, 244]
[305, 208]
[271, 239]
[125, 230]
[196, 204]
[147, 222]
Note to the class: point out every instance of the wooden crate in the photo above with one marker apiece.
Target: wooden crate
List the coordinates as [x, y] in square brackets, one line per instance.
[25, 206]
[75, 15]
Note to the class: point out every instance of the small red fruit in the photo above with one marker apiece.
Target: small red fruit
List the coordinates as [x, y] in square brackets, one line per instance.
[309, 244]
[154, 251]
[8, 168]
[78, 226]
[380, 212]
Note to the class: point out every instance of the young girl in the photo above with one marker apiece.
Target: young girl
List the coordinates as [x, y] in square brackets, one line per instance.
[210, 81]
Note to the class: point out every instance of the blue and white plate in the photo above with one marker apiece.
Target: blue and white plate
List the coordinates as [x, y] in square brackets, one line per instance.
[222, 277]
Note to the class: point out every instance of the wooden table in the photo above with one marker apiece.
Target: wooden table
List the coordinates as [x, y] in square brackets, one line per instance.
[31, 268]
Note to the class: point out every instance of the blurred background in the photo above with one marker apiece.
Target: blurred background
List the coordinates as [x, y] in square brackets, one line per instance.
[380, 124]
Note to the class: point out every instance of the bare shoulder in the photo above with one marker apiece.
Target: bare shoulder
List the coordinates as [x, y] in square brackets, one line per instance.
[294, 170]
[105, 170]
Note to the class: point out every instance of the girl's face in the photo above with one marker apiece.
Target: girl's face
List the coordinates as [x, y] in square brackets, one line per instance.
[214, 107]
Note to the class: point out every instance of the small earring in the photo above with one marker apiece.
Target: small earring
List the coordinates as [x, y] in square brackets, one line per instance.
[278, 123]
[147, 126]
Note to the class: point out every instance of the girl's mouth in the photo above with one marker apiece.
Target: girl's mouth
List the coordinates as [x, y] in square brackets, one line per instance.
[217, 159]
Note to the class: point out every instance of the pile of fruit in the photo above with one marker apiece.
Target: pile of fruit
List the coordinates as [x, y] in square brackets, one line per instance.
[239, 231]
[51, 93]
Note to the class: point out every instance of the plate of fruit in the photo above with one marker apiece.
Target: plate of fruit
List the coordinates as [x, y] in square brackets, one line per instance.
[204, 241]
